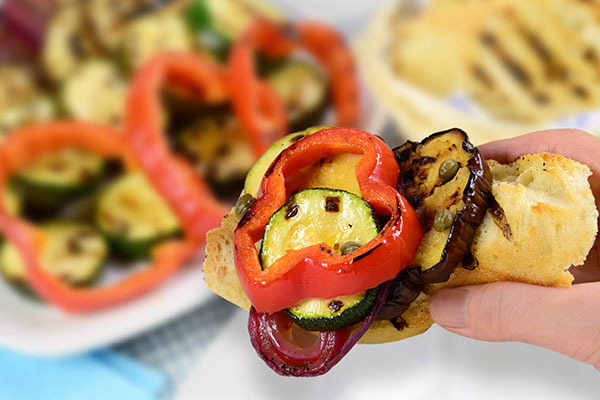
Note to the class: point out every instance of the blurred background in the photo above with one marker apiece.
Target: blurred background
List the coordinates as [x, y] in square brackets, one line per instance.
[495, 68]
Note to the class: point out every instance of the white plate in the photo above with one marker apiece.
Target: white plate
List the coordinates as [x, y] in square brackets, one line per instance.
[42, 330]
[436, 365]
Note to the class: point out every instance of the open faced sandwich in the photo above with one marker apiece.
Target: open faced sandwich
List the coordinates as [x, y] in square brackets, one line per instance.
[337, 238]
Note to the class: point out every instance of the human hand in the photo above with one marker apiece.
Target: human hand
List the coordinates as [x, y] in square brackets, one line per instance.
[566, 320]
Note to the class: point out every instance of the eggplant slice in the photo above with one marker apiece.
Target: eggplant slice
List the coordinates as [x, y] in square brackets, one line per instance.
[449, 184]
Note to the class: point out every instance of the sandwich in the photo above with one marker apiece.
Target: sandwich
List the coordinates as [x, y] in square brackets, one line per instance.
[339, 239]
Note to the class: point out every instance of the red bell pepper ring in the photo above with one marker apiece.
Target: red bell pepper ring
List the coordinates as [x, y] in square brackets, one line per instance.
[315, 271]
[23, 147]
[259, 108]
[187, 194]
[319, 40]
[328, 47]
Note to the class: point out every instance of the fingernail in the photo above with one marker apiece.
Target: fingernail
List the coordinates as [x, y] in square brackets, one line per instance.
[448, 307]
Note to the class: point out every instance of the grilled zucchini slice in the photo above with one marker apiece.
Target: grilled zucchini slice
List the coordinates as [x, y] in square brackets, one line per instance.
[14, 116]
[57, 177]
[109, 18]
[303, 89]
[17, 85]
[73, 252]
[134, 217]
[11, 201]
[256, 173]
[335, 217]
[231, 18]
[448, 182]
[67, 43]
[152, 34]
[218, 149]
[96, 92]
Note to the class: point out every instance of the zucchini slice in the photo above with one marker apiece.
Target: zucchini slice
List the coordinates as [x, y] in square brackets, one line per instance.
[134, 217]
[218, 149]
[257, 172]
[109, 18]
[37, 110]
[11, 201]
[67, 43]
[314, 216]
[304, 91]
[57, 177]
[448, 182]
[232, 17]
[152, 34]
[18, 85]
[96, 92]
[73, 252]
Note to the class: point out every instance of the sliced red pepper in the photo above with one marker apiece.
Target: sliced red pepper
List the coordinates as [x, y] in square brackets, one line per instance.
[328, 47]
[19, 150]
[315, 271]
[187, 194]
[259, 108]
[321, 41]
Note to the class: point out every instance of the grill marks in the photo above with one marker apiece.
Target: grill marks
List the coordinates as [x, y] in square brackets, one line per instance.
[512, 65]
[291, 211]
[542, 64]
[335, 306]
[332, 204]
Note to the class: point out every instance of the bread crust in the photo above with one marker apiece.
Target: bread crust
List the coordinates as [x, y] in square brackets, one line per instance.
[548, 204]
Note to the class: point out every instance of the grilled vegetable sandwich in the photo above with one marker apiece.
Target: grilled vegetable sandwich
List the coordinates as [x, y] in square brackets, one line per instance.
[337, 238]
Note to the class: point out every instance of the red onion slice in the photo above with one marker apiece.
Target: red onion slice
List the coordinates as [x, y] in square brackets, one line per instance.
[27, 19]
[273, 339]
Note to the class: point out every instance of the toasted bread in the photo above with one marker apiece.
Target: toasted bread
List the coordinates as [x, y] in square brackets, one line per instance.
[525, 61]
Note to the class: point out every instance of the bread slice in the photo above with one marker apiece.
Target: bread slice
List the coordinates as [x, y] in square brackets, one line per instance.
[553, 218]
[522, 61]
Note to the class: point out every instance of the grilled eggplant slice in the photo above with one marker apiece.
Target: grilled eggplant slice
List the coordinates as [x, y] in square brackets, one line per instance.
[449, 184]
[464, 196]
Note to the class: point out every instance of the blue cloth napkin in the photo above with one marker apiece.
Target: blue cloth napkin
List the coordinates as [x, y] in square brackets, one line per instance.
[101, 375]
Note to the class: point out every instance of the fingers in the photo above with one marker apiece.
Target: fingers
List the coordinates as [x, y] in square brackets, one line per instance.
[566, 320]
[571, 143]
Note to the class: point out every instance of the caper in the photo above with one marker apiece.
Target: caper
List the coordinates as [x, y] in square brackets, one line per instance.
[349, 247]
[443, 220]
[448, 168]
[243, 204]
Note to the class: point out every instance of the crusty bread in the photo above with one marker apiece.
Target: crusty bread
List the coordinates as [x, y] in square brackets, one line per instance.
[219, 266]
[500, 56]
[509, 66]
[551, 211]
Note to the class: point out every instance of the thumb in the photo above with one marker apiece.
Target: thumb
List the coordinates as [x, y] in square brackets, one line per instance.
[566, 320]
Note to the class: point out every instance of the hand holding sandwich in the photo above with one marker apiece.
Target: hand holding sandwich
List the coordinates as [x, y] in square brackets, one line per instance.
[566, 320]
